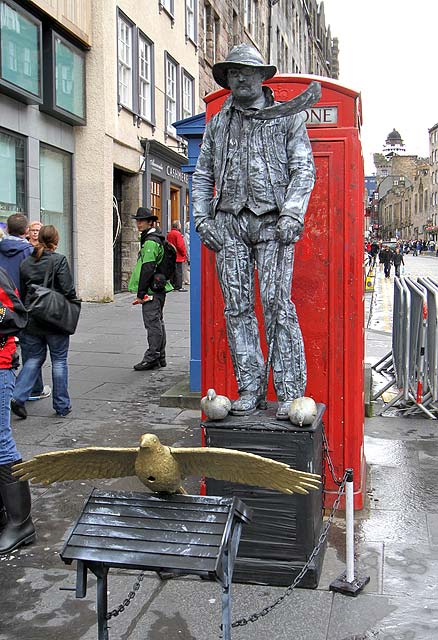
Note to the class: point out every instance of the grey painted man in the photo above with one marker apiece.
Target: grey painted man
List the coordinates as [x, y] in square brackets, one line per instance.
[260, 161]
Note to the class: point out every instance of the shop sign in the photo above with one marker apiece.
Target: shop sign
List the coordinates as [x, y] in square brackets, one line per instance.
[172, 172]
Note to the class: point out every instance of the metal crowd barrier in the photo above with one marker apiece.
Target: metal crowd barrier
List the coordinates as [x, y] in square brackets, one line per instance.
[412, 363]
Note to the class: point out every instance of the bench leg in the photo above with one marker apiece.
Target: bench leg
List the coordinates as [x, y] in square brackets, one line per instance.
[101, 573]
[226, 612]
[81, 579]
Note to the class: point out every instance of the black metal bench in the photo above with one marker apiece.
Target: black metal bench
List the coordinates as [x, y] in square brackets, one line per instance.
[177, 534]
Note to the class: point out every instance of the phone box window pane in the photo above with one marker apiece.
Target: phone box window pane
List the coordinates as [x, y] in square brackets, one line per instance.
[20, 50]
[69, 79]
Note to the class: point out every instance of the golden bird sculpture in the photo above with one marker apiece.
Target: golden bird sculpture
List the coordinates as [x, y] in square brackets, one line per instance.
[162, 469]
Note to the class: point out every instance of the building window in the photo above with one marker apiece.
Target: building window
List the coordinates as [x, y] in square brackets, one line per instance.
[251, 16]
[12, 172]
[168, 5]
[156, 198]
[56, 195]
[145, 78]
[211, 33]
[125, 61]
[69, 78]
[188, 107]
[191, 20]
[171, 94]
[20, 35]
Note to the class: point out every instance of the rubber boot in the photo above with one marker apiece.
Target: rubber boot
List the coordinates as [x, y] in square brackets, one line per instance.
[19, 529]
[3, 517]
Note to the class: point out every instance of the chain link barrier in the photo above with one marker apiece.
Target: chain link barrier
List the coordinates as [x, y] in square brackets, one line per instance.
[255, 616]
[322, 538]
[127, 601]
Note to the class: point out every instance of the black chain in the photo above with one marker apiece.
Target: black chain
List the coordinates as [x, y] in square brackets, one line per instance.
[329, 461]
[127, 601]
[255, 616]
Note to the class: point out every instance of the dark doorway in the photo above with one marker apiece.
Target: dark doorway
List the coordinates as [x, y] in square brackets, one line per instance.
[117, 231]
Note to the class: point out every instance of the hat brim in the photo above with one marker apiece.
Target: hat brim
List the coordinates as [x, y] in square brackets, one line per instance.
[153, 218]
[220, 71]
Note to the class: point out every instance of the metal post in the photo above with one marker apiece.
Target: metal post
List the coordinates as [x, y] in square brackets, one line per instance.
[349, 517]
[349, 583]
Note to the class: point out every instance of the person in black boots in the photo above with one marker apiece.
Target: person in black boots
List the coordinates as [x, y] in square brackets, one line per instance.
[16, 526]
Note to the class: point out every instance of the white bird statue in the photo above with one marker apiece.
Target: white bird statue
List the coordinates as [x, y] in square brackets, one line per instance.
[302, 411]
[215, 407]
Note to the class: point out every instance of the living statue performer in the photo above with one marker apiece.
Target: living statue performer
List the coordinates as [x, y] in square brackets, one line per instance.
[257, 155]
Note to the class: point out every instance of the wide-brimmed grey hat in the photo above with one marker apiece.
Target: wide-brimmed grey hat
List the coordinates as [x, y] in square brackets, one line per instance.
[242, 55]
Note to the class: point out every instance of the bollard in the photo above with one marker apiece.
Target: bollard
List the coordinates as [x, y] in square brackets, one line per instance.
[348, 582]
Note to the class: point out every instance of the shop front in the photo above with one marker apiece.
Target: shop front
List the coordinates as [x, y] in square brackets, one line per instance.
[165, 186]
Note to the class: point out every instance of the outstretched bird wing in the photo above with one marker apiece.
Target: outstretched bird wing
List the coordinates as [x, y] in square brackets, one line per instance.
[78, 464]
[242, 467]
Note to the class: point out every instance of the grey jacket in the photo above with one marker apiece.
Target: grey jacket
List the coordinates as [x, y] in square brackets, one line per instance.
[281, 155]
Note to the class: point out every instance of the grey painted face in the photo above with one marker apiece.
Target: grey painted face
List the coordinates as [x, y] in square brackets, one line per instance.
[245, 84]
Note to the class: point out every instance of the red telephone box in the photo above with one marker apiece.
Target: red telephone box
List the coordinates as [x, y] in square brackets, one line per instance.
[327, 286]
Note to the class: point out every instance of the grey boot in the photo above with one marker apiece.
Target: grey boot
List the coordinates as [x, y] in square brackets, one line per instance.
[19, 529]
[247, 403]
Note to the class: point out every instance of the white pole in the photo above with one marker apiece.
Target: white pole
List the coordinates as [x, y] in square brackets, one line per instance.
[349, 516]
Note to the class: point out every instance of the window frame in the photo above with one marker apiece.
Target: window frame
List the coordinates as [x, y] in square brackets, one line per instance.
[193, 38]
[185, 75]
[142, 36]
[169, 10]
[49, 104]
[11, 88]
[23, 139]
[169, 129]
[69, 156]
[124, 18]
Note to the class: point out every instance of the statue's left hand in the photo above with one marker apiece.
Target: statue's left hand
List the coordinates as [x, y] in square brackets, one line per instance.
[288, 230]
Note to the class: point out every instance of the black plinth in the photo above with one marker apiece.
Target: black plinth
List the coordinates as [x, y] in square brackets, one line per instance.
[285, 528]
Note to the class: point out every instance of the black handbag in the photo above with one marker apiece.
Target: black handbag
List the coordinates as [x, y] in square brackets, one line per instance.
[51, 308]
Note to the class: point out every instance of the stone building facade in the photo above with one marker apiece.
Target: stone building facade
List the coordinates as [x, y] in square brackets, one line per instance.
[433, 146]
[291, 34]
[403, 187]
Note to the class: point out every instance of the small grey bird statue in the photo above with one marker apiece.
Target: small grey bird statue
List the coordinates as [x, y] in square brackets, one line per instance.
[215, 407]
[302, 411]
[162, 469]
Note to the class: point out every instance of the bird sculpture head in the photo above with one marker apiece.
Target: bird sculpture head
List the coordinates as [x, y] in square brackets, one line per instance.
[211, 394]
[149, 441]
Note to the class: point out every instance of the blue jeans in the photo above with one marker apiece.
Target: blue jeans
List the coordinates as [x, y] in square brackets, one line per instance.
[36, 349]
[39, 385]
[8, 448]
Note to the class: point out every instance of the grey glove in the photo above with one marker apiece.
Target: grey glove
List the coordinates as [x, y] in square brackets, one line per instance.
[288, 230]
[209, 235]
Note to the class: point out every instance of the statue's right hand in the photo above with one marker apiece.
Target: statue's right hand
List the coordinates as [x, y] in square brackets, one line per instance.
[209, 235]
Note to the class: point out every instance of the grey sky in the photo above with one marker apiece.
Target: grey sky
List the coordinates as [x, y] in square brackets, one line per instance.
[388, 52]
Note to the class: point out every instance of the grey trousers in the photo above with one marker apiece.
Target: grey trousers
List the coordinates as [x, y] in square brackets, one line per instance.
[153, 321]
[249, 243]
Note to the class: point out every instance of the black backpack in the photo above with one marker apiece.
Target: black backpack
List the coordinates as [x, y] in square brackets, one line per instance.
[166, 268]
[168, 263]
